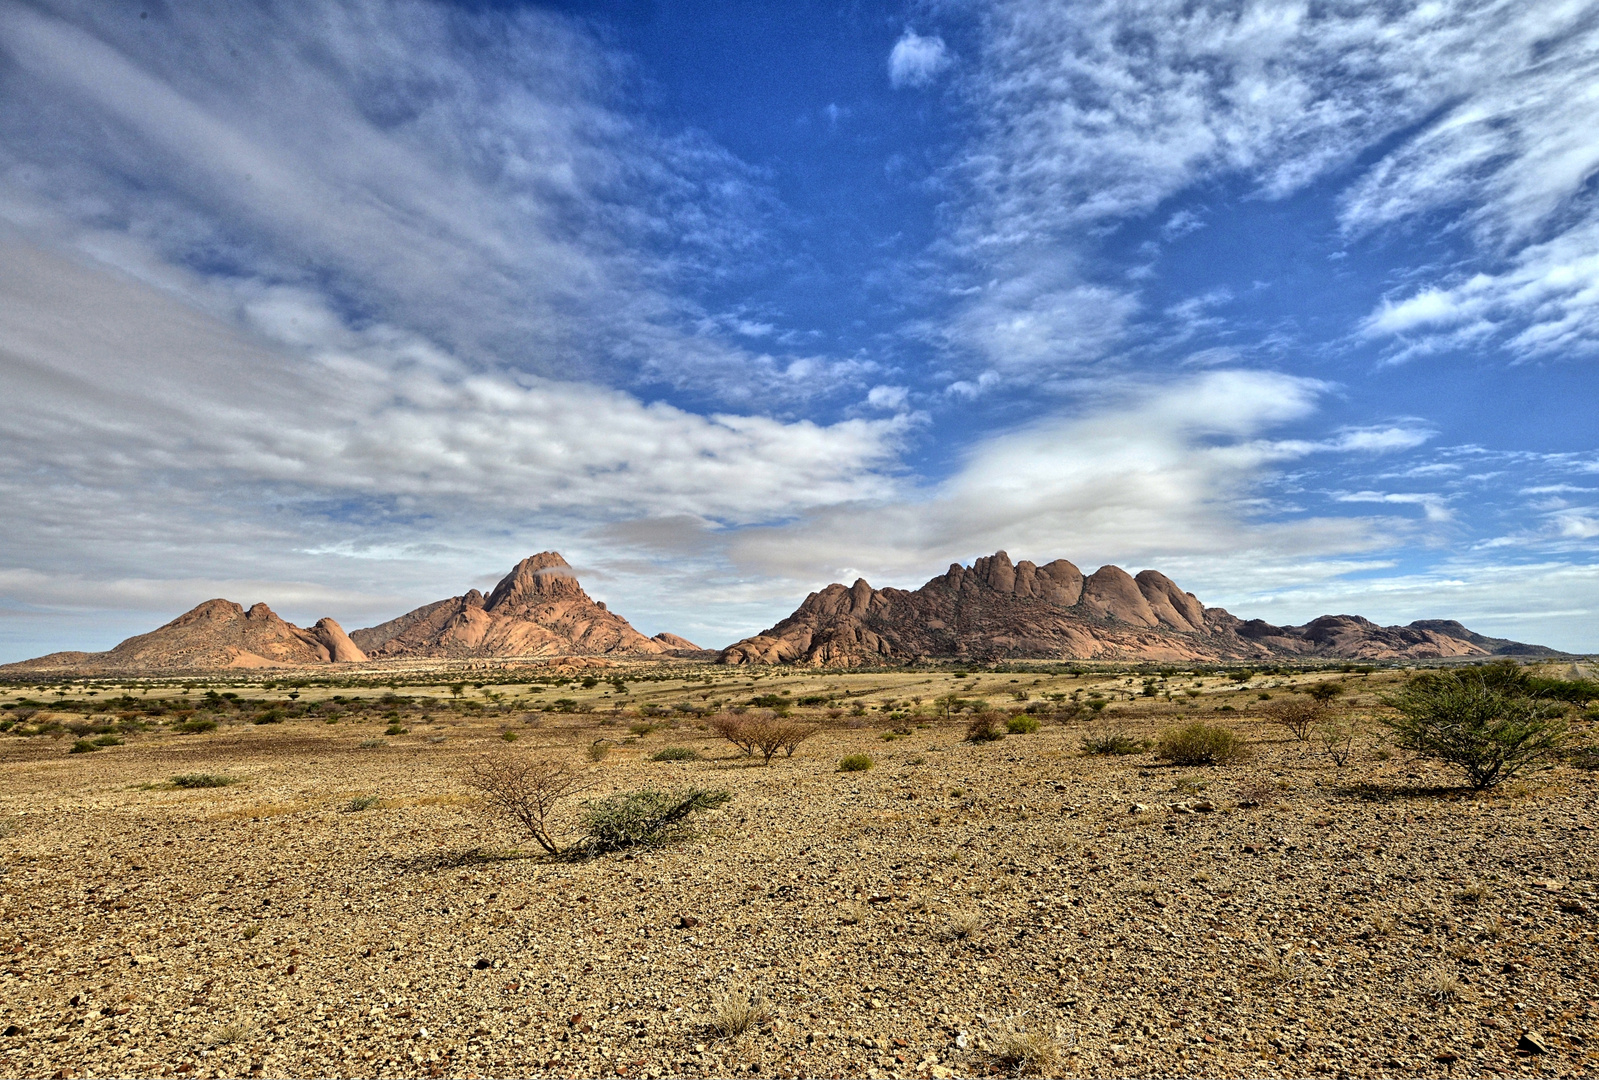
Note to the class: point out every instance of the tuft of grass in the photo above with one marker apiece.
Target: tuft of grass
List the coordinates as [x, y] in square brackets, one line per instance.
[737, 1011]
[1475, 893]
[508, 736]
[202, 780]
[1440, 984]
[1022, 725]
[676, 753]
[1026, 1052]
[359, 803]
[229, 1034]
[372, 744]
[962, 927]
[855, 763]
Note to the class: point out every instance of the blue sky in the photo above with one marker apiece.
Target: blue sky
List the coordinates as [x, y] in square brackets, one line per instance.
[347, 306]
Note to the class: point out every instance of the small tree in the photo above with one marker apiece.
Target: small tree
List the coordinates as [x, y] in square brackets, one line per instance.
[526, 790]
[1298, 715]
[1323, 692]
[1486, 725]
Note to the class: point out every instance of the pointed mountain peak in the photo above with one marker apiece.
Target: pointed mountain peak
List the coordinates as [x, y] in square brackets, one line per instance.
[544, 576]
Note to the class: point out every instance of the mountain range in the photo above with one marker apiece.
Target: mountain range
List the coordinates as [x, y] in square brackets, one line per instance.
[991, 610]
[997, 610]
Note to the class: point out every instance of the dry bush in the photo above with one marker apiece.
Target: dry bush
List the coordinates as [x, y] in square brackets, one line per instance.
[1026, 1052]
[1299, 715]
[962, 927]
[985, 727]
[526, 791]
[735, 1012]
[1337, 737]
[736, 729]
[771, 734]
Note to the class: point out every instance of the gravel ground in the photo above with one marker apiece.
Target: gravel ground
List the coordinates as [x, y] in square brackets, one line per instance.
[1280, 918]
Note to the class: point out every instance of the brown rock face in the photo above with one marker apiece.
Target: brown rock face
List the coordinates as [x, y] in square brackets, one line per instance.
[216, 634]
[538, 609]
[997, 610]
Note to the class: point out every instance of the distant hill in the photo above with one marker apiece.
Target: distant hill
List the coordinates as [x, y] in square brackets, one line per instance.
[996, 610]
[216, 634]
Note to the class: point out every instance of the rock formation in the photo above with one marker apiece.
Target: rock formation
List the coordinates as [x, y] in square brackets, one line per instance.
[538, 609]
[996, 610]
[216, 634]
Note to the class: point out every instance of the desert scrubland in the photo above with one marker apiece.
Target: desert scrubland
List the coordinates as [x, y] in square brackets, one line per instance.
[344, 903]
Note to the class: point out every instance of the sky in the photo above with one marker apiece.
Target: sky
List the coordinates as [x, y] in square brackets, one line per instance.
[348, 306]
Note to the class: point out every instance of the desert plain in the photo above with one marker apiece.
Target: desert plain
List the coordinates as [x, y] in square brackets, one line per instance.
[344, 904]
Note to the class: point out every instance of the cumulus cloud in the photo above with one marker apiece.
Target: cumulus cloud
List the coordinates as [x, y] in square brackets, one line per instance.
[916, 60]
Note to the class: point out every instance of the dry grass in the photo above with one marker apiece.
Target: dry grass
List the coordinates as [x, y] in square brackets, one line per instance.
[1026, 1052]
[737, 1011]
[1439, 984]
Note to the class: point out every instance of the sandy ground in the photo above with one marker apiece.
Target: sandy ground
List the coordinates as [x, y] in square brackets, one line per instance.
[911, 920]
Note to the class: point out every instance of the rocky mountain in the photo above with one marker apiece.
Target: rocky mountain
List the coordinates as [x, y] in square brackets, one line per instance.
[996, 610]
[216, 634]
[538, 609]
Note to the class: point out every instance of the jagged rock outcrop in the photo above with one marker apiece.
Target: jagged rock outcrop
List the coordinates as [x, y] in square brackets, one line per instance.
[538, 609]
[215, 634]
[995, 610]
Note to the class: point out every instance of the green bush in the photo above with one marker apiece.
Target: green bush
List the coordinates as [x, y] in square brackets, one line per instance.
[1112, 744]
[202, 780]
[359, 803]
[396, 729]
[1200, 743]
[855, 763]
[107, 740]
[194, 727]
[646, 818]
[676, 753]
[83, 746]
[1481, 720]
[1021, 725]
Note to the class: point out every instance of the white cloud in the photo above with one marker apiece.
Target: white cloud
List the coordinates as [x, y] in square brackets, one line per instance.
[916, 60]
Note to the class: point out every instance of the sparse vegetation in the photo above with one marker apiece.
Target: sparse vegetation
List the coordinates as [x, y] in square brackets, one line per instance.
[203, 780]
[1026, 1052]
[1200, 743]
[1021, 725]
[984, 727]
[855, 763]
[676, 753]
[1299, 715]
[359, 803]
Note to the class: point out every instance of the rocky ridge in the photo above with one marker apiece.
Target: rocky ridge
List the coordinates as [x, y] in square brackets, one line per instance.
[996, 609]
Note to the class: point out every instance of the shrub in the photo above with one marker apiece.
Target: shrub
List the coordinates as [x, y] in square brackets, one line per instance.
[1298, 715]
[1338, 739]
[984, 727]
[506, 736]
[1112, 743]
[855, 763]
[770, 736]
[646, 818]
[108, 740]
[1200, 743]
[1026, 1053]
[359, 803]
[194, 726]
[83, 746]
[202, 780]
[676, 753]
[598, 750]
[396, 729]
[372, 744]
[271, 716]
[526, 791]
[1487, 726]
[1021, 725]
